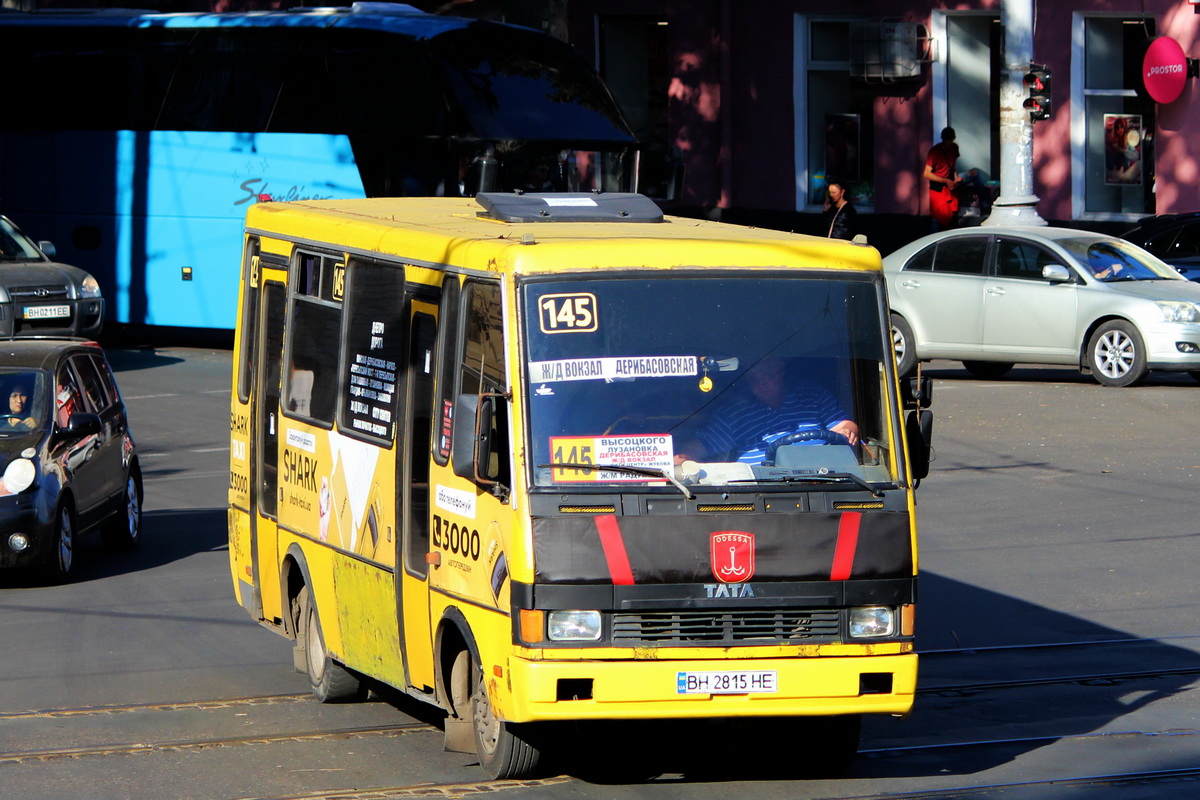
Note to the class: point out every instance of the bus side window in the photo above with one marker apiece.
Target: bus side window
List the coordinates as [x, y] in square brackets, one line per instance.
[481, 371]
[445, 373]
[374, 349]
[314, 333]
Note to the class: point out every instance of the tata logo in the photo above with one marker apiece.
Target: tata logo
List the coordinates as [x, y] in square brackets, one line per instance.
[731, 554]
[733, 591]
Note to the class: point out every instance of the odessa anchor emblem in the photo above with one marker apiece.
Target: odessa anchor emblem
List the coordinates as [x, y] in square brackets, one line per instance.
[732, 556]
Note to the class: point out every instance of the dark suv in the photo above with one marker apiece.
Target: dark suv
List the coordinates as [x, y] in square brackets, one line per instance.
[69, 462]
[39, 296]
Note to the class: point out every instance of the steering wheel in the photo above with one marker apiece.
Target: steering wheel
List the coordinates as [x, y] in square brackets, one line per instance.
[819, 434]
[11, 416]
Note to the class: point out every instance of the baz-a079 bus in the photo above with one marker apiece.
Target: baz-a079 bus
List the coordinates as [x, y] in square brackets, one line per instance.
[142, 138]
[473, 457]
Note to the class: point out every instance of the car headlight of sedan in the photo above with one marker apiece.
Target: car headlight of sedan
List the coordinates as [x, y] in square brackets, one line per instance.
[19, 475]
[90, 287]
[1178, 311]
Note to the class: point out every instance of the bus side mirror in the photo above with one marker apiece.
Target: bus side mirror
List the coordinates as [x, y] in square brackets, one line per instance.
[477, 438]
[462, 443]
[916, 392]
[918, 427]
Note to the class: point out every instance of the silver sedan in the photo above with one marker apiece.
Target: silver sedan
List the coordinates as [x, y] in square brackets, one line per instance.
[994, 297]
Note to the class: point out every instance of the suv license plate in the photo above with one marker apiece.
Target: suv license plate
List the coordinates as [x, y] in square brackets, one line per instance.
[727, 682]
[47, 312]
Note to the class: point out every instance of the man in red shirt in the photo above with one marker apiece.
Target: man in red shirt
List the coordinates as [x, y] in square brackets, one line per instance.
[942, 175]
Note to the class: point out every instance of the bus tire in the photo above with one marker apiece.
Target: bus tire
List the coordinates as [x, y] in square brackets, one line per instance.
[330, 681]
[504, 749]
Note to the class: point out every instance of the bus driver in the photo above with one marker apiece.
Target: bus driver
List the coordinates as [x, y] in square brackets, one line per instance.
[772, 408]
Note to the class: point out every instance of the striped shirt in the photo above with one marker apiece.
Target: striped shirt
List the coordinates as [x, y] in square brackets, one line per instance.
[746, 423]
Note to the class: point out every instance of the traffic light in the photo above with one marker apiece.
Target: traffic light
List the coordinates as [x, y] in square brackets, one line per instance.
[1037, 89]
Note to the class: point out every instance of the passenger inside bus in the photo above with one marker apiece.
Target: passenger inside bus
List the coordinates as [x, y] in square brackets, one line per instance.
[773, 406]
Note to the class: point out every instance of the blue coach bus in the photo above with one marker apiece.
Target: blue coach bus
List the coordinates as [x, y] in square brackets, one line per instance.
[143, 137]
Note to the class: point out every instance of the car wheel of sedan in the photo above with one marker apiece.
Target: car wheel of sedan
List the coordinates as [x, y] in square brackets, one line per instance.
[988, 369]
[124, 531]
[1116, 354]
[61, 564]
[904, 345]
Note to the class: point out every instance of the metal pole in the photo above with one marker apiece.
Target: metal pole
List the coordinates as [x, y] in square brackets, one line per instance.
[1016, 203]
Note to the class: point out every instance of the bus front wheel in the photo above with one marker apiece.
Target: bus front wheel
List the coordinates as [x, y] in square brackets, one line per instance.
[330, 681]
[505, 749]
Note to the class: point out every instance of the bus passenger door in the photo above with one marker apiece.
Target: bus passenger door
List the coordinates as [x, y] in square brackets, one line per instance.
[412, 490]
[264, 443]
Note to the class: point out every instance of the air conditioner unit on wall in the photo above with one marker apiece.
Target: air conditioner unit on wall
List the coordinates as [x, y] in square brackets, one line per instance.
[888, 50]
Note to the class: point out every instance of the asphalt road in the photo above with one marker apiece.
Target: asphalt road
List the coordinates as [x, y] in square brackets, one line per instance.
[1056, 621]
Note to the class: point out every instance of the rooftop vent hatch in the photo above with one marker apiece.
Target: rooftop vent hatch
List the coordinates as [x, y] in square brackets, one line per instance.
[569, 207]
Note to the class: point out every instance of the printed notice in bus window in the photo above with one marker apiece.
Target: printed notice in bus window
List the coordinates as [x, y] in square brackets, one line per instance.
[641, 451]
[372, 386]
[608, 369]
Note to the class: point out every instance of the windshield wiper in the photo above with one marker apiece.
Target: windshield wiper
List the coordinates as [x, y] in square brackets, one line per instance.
[817, 477]
[652, 472]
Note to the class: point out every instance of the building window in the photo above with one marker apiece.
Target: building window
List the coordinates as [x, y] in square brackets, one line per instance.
[635, 62]
[835, 117]
[1114, 136]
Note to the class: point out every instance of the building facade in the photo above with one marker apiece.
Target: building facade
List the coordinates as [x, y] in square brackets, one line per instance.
[765, 102]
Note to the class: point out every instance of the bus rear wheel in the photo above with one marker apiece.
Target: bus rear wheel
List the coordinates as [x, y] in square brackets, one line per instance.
[505, 749]
[329, 680]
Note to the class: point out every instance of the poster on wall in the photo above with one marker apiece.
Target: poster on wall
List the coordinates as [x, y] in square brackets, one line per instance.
[1123, 149]
[841, 147]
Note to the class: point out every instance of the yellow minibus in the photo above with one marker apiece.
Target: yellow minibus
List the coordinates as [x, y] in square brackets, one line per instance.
[549, 458]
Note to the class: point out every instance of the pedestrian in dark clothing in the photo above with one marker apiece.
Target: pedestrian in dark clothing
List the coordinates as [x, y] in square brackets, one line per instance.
[840, 217]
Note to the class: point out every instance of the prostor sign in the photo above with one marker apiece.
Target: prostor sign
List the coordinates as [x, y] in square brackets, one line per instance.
[1164, 69]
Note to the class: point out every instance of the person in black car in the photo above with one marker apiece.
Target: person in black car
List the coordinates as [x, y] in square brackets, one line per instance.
[20, 396]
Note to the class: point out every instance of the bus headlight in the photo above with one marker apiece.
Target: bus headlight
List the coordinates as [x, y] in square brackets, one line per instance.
[19, 475]
[573, 626]
[872, 621]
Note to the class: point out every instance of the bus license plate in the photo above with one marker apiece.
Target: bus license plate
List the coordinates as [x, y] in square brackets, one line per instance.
[727, 682]
[47, 312]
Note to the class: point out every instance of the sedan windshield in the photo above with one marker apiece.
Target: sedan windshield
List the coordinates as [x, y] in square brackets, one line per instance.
[15, 246]
[739, 381]
[1116, 260]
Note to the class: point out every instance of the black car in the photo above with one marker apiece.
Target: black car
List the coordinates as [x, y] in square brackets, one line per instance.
[41, 297]
[1174, 238]
[69, 462]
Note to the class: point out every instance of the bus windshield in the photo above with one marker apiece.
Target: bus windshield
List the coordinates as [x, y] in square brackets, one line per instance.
[739, 381]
